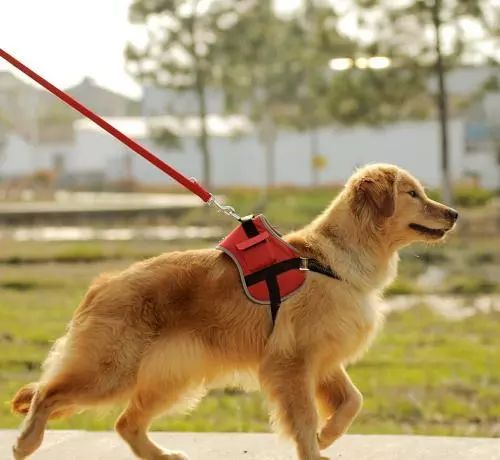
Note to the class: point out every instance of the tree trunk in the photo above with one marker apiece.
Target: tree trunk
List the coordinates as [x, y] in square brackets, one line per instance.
[442, 103]
[498, 166]
[200, 88]
[268, 139]
[309, 104]
[203, 140]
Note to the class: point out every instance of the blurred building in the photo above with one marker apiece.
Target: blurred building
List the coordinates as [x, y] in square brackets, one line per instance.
[92, 156]
[102, 100]
[39, 133]
[158, 101]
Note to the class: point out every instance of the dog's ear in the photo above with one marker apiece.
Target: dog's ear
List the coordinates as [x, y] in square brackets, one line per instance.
[376, 195]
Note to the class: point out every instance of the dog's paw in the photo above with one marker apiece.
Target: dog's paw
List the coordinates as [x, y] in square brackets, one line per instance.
[172, 456]
[323, 444]
[18, 454]
[325, 441]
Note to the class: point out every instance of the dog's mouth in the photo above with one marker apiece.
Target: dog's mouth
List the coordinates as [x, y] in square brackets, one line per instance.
[433, 232]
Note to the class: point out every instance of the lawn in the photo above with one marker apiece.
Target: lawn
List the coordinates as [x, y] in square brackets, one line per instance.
[424, 374]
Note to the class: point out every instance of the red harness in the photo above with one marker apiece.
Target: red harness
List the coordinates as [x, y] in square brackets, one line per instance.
[270, 269]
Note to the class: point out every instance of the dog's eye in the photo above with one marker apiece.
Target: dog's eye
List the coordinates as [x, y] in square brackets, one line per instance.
[413, 194]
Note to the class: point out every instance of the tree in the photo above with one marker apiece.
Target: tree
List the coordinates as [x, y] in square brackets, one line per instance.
[321, 43]
[378, 96]
[276, 71]
[179, 53]
[430, 37]
[260, 71]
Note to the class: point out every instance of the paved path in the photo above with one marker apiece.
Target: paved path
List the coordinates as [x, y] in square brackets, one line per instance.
[80, 445]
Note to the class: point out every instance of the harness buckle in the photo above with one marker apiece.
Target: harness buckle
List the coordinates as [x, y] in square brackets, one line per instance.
[304, 264]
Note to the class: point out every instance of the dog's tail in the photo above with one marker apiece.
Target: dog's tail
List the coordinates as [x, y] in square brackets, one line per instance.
[22, 400]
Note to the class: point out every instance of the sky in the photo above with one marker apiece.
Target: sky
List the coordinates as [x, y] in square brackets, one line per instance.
[66, 40]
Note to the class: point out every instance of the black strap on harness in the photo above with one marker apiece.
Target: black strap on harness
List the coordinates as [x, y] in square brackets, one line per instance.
[270, 274]
[249, 226]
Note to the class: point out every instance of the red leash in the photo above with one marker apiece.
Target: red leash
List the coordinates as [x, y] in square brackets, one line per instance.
[189, 183]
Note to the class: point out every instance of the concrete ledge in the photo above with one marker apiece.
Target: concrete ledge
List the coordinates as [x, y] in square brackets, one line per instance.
[81, 445]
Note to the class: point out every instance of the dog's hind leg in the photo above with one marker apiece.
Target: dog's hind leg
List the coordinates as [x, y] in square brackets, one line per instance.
[134, 422]
[51, 398]
[170, 376]
[31, 435]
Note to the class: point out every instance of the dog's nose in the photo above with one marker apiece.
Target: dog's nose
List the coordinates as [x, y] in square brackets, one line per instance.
[453, 215]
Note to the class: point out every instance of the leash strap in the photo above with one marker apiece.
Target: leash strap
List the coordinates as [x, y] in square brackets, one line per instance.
[189, 183]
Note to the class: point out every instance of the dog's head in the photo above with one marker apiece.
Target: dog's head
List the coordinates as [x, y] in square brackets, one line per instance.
[393, 203]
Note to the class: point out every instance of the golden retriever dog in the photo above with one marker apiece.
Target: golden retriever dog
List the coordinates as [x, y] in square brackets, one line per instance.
[160, 332]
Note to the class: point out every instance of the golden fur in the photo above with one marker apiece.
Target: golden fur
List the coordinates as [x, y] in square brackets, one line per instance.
[160, 332]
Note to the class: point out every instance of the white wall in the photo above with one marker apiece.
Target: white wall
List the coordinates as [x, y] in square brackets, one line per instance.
[484, 165]
[20, 157]
[412, 145]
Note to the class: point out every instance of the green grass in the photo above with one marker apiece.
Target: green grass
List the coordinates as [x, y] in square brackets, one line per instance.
[470, 285]
[423, 375]
[402, 286]
[426, 375]
[287, 207]
[31, 252]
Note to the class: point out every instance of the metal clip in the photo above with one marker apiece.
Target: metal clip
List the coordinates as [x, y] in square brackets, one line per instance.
[228, 210]
[304, 264]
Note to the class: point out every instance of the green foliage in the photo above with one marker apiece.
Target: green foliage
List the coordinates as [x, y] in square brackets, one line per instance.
[179, 55]
[482, 257]
[288, 207]
[466, 196]
[405, 31]
[19, 285]
[164, 136]
[402, 286]
[375, 97]
[432, 255]
[260, 70]
[471, 285]
[471, 196]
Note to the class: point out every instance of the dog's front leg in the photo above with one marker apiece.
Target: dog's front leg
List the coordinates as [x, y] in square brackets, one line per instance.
[290, 389]
[342, 401]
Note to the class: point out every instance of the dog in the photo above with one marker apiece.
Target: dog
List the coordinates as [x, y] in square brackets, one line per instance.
[157, 334]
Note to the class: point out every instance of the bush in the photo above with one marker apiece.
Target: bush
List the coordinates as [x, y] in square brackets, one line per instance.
[468, 197]
[465, 196]
[401, 286]
[470, 285]
[432, 255]
[481, 258]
